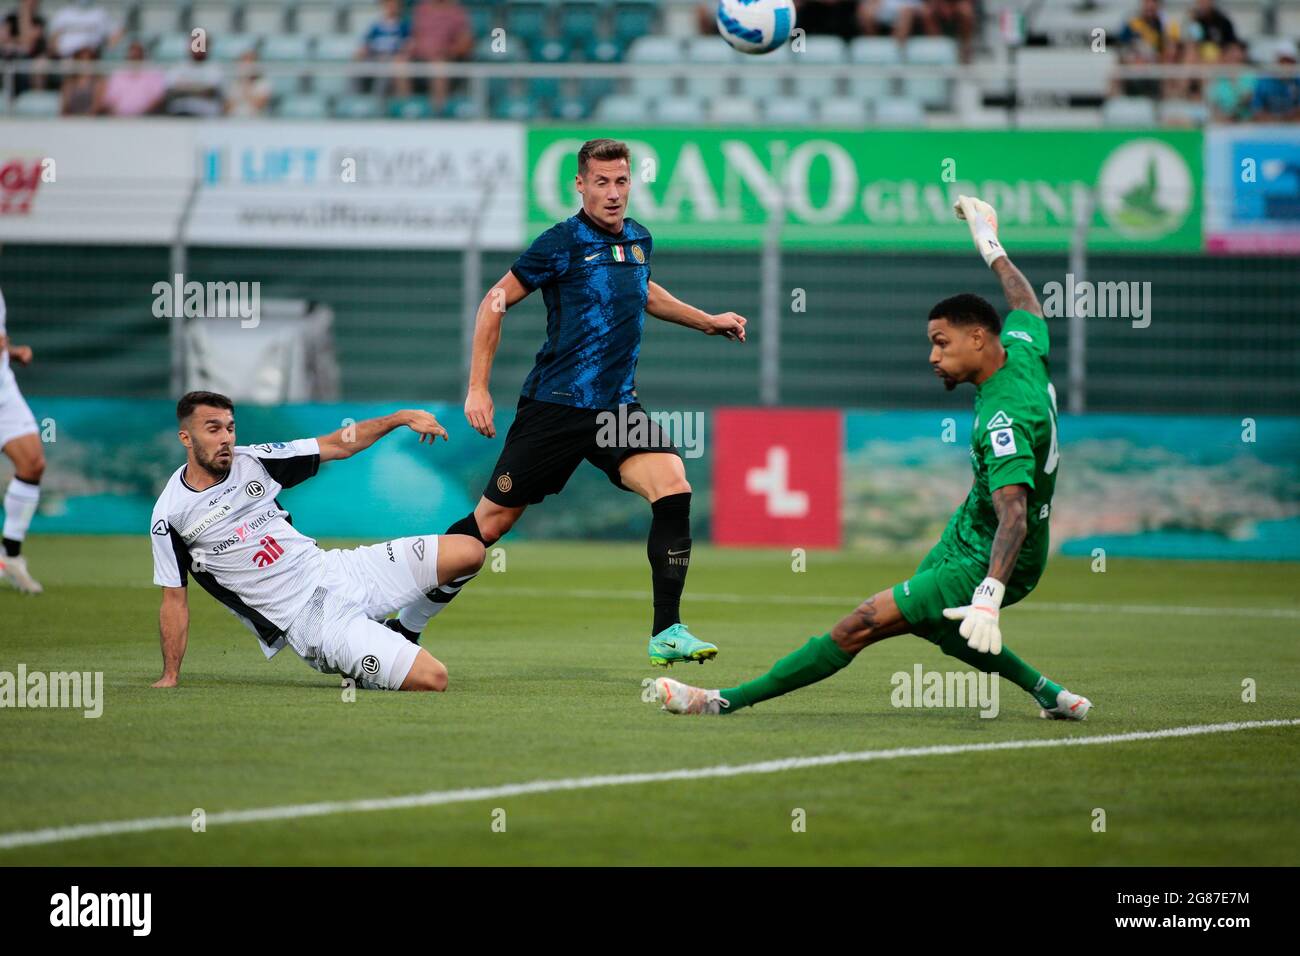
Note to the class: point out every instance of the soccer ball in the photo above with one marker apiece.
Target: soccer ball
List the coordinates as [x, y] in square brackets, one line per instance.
[755, 26]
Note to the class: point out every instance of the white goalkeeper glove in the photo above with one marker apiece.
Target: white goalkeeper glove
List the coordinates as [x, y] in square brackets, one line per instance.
[983, 221]
[979, 618]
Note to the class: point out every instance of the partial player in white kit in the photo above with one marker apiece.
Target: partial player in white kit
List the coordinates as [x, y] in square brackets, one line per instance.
[218, 521]
[21, 443]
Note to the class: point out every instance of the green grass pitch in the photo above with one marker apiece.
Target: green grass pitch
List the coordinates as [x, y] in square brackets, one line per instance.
[546, 661]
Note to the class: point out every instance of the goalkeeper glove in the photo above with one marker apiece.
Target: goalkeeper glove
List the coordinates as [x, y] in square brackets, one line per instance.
[979, 618]
[983, 221]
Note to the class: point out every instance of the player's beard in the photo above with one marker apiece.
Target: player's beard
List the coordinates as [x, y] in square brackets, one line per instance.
[211, 465]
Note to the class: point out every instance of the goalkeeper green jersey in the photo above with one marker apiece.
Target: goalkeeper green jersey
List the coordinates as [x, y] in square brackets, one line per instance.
[1013, 443]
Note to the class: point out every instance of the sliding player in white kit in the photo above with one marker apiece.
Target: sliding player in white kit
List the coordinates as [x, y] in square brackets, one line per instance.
[219, 522]
[21, 443]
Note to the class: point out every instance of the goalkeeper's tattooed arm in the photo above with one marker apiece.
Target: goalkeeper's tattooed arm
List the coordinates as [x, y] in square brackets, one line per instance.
[1011, 503]
[1019, 293]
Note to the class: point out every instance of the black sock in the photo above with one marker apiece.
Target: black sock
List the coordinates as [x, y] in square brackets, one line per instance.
[12, 548]
[467, 525]
[669, 551]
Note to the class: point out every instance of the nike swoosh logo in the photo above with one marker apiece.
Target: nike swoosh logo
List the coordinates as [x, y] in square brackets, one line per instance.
[686, 551]
[672, 644]
[593, 256]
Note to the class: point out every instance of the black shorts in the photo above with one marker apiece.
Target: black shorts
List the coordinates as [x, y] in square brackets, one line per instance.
[548, 441]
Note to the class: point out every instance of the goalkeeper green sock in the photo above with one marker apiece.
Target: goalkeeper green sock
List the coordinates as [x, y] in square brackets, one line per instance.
[1007, 664]
[818, 659]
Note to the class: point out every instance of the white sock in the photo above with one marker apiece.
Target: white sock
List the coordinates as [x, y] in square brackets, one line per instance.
[20, 504]
[416, 617]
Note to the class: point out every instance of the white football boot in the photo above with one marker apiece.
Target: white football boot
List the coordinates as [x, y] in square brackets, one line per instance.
[679, 698]
[1068, 707]
[14, 570]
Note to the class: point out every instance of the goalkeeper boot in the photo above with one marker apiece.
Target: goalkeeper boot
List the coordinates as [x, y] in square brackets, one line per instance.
[393, 624]
[675, 643]
[1068, 707]
[679, 698]
[14, 570]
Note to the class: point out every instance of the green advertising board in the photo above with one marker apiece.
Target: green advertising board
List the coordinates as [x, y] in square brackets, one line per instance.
[711, 187]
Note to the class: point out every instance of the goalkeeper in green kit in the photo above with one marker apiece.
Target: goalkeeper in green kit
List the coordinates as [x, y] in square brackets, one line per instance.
[995, 547]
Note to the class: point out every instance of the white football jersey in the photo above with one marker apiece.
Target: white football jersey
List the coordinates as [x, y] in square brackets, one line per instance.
[237, 541]
[6, 373]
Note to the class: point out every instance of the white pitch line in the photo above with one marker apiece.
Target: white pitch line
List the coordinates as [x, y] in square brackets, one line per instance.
[852, 602]
[443, 797]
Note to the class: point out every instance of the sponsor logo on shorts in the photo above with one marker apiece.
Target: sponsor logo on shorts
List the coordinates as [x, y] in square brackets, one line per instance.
[370, 664]
[418, 547]
[504, 483]
[254, 489]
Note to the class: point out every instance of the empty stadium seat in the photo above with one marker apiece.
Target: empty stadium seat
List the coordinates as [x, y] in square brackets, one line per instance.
[819, 50]
[735, 110]
[357, 18]
[634, 20]
[579, 20]
[1042, 71]
[171, 48]
[756, 80]
[230, 46]
[873, 51]
[852, 113]
[302, 107]
[654, 50]
[1134, 111]
[352, 106]
[527, 20]
[264, 19]
[684, 110]
[933, 92]
[620, 108]
[789, 111]
[215, 17]
[156, 18]
[410, 107]
[709, 51]
[896, 111]
[37, 103]
[315, 19]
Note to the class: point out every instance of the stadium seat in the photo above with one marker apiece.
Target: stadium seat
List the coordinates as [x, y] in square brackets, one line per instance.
[37, 103]
[633, 20]
[527, 20]
[544, 88]
[264, 19]
[579, 20]
[518, 108]
[357, 18]
[620, 108]
[789, 111]
[550, 50]
[228, 47]
[1042, 71]
[154, 19]
[1183, 113]
[410, 107]
[171, 48]
[758, 81]
[336, 49]
[215, 17]
[1132, 111]
[735, 111]
[316, 19]
[654, 50]
[684, 110]
[463, 108]
[285, 49]
[708, 51]
[482, 18]
[302, 107]
[873, 51]
[352, 106]
[819, 51]
[598, 49]
[571, 108]
[932, 92]
[852, 113]
[896, 111]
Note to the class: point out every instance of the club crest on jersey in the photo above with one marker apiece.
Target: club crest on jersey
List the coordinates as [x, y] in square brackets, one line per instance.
[160, 528]
[504, 483]
[999, 420]
[370, 664]
[637, 253]
[254, 489]
[271, 550]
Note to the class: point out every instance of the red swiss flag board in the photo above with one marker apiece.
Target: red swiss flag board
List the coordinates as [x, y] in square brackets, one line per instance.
[776, 477]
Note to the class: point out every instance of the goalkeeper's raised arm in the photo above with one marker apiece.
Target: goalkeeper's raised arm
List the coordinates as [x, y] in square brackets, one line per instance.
[983, 222]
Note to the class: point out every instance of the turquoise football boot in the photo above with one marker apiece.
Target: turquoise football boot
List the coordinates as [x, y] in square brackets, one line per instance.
[675, 643]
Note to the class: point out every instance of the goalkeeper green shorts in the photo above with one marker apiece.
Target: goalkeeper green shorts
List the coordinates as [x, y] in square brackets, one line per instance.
[941, 580]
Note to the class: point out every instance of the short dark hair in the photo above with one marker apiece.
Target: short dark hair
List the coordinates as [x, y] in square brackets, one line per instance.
[602, 149]
[192, 400]
[968, 309]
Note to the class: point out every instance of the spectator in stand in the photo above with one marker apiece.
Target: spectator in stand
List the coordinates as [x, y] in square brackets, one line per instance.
[251, 92]
[82, 26]
[827, 17]
[956, 18]
[1230, 98]
[440, 33]
[900, 18]
[1277, 98]
[135, 89]
[1148, 37]
[195, 88]
[1210, 29]
[23, 37]
[387, 41]
[79, 93]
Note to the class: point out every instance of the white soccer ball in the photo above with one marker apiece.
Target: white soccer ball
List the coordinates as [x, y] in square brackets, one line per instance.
[755, 26]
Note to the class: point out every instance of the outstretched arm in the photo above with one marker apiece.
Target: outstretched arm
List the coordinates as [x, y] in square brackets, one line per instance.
[662, 304]
[174, 634]
[983, 221]
[351, 439]
[1019, 293]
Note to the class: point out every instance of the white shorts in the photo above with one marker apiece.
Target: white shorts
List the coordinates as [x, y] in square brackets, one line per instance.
[16, 418]
[338, 632]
